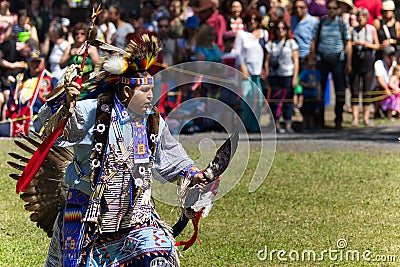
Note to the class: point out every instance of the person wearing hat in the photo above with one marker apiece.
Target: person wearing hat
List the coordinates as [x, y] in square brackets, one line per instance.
[374, 8]
[121, 143]
[27, 96]
[383, 70]
[388, 28]
[13, 56]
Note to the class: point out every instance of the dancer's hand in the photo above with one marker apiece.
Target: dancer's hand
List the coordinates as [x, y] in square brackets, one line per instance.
[73, 91]
[199, 180]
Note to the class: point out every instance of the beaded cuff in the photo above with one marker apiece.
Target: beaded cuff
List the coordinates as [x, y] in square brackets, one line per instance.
[190, 171]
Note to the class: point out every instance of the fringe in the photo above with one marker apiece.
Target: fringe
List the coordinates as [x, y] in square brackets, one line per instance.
[56, 120]
[184, 188]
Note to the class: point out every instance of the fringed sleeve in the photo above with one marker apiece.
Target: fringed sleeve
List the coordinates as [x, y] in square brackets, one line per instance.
[80, 123]
[171, 160]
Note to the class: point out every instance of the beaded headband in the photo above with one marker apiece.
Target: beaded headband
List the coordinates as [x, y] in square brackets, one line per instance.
[137, 81]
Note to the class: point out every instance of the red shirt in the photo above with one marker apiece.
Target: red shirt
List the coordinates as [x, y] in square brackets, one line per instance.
[218, 22]
[374, 8]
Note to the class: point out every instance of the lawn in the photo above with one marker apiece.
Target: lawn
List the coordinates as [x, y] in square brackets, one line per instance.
[341, 205]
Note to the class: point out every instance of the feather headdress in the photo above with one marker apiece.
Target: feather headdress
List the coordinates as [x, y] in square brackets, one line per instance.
[140, 54]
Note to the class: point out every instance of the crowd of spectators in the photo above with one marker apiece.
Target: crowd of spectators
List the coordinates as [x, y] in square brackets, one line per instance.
[285, 49]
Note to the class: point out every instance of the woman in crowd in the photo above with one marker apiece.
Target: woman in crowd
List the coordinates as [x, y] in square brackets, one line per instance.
[57, 35]
[235, 21]
[7, 20]
[283, 67]
[365, 42]
[74, 52]
[39, 17]
[250, 45]
[388, 28]
[186, 45]
[206, 50]
[24, 29]
[177, 24]
[105, 28]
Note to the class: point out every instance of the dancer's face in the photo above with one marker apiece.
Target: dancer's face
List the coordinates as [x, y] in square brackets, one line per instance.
[139, 98]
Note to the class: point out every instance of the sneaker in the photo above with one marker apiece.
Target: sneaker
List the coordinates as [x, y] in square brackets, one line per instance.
[281, 130]
[289, 130]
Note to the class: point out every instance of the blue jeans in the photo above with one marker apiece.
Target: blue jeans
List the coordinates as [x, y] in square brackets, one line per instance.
[281, 97]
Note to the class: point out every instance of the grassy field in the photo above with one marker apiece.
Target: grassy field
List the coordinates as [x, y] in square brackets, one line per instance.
[337, 202]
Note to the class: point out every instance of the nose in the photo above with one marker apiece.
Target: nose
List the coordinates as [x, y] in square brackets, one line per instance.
[150, 94]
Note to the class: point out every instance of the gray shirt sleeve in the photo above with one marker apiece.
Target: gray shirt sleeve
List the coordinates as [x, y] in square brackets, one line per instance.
[171, 158]
[80, 125]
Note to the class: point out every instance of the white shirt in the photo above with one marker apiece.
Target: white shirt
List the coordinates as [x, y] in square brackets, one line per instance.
[380, 70]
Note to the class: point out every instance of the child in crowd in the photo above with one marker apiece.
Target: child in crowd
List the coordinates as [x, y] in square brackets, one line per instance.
[24, 29]
[310, 80]
[392, 103]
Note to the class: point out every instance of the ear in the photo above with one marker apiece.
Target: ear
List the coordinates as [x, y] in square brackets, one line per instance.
[126, 92]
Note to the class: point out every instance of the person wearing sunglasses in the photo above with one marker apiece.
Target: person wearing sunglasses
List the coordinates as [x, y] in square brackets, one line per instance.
[333, 51]
[74, 53]
[302, 25]
[282, 59]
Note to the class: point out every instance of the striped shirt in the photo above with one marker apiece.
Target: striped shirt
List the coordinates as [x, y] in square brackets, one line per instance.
[330, 38]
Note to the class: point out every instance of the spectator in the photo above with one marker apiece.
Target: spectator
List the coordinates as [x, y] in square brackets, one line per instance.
[317, 8]
[105, 28]
[391, 103]
[12, 61]
[160, 11]
[250, 45]
[136, 20]
[276, 13]
[187, 11]
[74, 53]
[203, 9]
[39, 17]
[283, 68]
[177, 24]
[28, 94]
[168, 44]
[230, 57]
[206, 50]
[383, 70]
[7, 20]
[310, 80]
[332, 56]
[302, 25]
[23, 29]
[235, 21]
[57, 35]
[388, 28]
[146, 12]
[187, 44]
[218, 22]
[365, 43]
[346, 12]
[123, 27]
[374, 8]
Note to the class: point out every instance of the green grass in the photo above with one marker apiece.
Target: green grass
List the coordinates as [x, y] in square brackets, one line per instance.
[308, 202]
